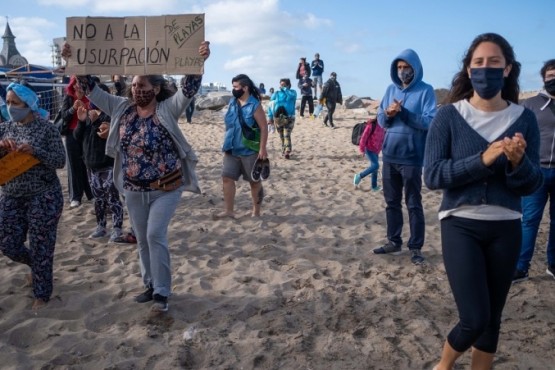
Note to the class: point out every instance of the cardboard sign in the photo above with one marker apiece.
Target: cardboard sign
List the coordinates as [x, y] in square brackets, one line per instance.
[14, 164]
[158, 45]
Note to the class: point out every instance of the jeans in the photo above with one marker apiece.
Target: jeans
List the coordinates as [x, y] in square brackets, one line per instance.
[150, 214]
[395, 178]
[532, 211]
[372, 169]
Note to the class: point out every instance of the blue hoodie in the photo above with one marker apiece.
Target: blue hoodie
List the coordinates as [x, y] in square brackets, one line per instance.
[405, 136]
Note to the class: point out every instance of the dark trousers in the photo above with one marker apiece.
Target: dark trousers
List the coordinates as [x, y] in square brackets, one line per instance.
[189, 111]
[331, 109]
[78, 180]
[304, 100]
[395, 179]
[480, 259]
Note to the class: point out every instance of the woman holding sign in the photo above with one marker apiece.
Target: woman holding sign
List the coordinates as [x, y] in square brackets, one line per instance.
[154, 163]
[31, 202]
[240, 158]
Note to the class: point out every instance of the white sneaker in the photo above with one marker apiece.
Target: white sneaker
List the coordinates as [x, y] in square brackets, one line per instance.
[116, 233]
[100, 232]
[74, 204]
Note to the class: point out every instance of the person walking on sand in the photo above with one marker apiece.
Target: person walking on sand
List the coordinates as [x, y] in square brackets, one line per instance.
[482, 151]
[406, 111]
[331, 95]
[281, 114]
[31, 203]
[370, 146]
[239, 160]
[153, 165]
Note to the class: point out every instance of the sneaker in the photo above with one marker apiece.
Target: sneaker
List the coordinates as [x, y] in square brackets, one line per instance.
[256, 170]
[145, 296]
[520, 275]
[100, 232]
[265, 173]
[377, 188]
[388, 248]
[551, 271]
[356, 180]
[116, 234]
[416, 256]
[74, 204]
[160, 303]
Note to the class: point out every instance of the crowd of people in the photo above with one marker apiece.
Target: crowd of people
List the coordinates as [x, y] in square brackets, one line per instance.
[491, 156]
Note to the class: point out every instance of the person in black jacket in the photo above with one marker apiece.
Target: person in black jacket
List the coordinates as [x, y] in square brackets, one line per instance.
[331, 95]
[89, 131]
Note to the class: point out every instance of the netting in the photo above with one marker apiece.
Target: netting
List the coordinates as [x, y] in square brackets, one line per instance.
[51, 96]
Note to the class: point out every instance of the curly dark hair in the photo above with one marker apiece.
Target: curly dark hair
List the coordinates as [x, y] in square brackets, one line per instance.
[461, 87]
[156, 80]
[245, 80]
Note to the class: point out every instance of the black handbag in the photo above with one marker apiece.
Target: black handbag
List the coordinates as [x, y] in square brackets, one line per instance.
[61, 124]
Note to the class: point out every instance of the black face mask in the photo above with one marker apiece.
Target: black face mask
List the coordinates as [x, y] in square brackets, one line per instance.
[550, 86]
[487, 82]
[238, 93]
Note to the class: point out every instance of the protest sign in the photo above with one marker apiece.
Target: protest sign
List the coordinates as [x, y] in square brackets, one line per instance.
[165, 44]
[14, 164]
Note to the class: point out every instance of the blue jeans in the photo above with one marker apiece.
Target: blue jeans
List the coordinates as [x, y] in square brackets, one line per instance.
[372, 169]
[150, 214]
[395, 178]
[532, 211]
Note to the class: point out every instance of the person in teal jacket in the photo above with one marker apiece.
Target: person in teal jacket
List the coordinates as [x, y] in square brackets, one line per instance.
[283, 120]
[406, 111]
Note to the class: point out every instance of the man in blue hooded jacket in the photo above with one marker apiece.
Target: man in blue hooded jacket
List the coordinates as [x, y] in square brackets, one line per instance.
[406, 111]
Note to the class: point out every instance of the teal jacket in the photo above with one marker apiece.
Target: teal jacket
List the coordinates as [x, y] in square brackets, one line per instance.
[286, 97]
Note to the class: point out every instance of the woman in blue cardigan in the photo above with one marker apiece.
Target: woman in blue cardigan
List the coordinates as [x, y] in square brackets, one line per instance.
[482, 150]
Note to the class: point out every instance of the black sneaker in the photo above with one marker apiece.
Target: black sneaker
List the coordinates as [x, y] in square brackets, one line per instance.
[145, 296]
[519, 276]
[416, 256]
[551, 271]
[388, 248]
[256, 170]
[160, 303]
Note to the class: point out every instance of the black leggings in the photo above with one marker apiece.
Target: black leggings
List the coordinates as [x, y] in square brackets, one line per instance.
[480, 259]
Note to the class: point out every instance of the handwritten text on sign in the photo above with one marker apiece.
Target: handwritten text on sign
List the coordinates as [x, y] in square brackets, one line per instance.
[136, 45]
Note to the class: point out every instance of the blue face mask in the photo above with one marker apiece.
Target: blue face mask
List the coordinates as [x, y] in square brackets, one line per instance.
[18, 114]
[487, 82]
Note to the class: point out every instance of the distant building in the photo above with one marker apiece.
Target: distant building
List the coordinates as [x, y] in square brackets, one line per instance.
[9, 56]
[212, 86]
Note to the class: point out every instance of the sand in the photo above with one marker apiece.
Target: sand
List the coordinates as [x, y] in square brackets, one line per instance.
[298, 288]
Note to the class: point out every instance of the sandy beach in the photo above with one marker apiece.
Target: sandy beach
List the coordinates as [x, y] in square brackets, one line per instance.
[297, 288]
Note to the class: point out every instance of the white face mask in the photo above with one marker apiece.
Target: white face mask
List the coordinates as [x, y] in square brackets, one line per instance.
[18, 114]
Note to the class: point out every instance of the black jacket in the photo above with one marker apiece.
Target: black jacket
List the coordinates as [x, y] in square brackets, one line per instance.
[94, 147]
[332, 91]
